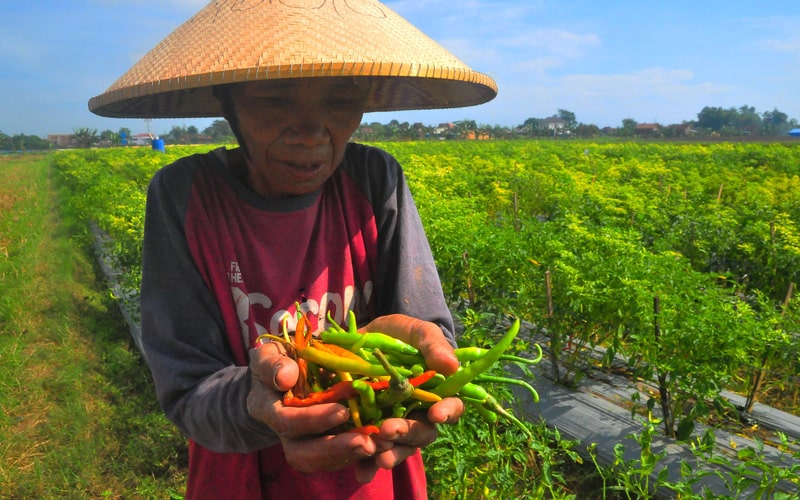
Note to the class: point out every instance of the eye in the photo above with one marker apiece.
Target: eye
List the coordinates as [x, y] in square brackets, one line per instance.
[275, 102]
[345, 102]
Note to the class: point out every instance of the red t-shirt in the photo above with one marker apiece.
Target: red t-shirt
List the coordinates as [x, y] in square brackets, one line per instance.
[245, 262]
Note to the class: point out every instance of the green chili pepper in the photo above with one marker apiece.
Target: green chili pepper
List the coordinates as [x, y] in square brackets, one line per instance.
[492, 404]
[484, 377]
[368, 340]
[466, 373]
[466, 354]
[485, 413]
[339, 364]
[399, 390]
[473, 391]
[369, 407]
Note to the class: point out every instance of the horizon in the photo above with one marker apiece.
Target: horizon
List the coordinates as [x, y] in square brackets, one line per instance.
[654, 63]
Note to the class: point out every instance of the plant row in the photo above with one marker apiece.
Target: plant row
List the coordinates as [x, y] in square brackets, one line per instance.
[679, 259]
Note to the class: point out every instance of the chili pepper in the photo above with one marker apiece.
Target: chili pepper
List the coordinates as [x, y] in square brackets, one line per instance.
[399, 389]
[466, 373]
[369, 405]
[352, 324]
[425, 396]
[466, 354]
[473, 391]
[336, 363]
[302, 387]
[335, 393]
[352, 403]
[492, 404]
[411, 407]
[367, 430]
[485, 413]
[484, 377]
[337, 351]
[368, 340]
[414, 381]
[476, 394]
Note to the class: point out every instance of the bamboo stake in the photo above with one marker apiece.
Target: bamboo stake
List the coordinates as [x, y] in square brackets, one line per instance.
[555, 341]
[761, 374]
[663, 390]
[470, 289]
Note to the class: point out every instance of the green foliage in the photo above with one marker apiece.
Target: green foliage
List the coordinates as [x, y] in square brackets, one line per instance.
[711, 230]
[80, 418]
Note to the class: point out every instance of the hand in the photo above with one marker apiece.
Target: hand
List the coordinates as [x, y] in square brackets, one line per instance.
[400, 438]
[301, 429]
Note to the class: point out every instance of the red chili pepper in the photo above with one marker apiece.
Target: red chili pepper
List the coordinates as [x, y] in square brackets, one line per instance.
[367, 430]
[415, 381]
[335, 393]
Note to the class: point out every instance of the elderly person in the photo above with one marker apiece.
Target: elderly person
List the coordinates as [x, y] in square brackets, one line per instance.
[295, 215]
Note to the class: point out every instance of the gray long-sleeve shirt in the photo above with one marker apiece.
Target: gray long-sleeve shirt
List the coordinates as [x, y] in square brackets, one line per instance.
[222, 265]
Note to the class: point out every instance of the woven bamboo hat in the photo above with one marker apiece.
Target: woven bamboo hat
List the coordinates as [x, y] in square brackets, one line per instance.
[247, 40]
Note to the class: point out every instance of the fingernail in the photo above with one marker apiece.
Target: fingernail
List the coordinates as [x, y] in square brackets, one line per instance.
[275, 376]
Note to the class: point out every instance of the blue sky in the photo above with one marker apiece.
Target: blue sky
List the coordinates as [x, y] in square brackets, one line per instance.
[652, 61]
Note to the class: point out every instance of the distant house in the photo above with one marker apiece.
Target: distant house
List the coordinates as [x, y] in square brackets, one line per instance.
[554, 123]
[646, 129]
[141, 139]
[682, 129]
[795, 132]
[474, 135]
[62, 140]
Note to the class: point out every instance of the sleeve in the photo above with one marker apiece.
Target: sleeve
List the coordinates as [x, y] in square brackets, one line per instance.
[197, 383]
[407, 279]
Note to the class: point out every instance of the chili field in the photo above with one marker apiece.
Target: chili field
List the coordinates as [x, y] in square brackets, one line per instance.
[677, 262]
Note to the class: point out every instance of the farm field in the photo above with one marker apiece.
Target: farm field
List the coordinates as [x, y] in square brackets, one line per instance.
[679, 259]
[78, 418]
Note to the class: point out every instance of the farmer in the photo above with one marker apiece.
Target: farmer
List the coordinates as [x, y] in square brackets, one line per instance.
[295, 215]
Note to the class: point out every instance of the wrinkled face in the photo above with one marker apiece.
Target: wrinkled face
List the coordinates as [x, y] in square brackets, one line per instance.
[295, 131]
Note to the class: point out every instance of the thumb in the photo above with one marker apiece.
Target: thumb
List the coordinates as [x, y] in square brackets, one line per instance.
[270, 365]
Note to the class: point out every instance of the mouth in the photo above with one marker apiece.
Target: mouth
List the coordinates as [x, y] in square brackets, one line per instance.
[304, 171]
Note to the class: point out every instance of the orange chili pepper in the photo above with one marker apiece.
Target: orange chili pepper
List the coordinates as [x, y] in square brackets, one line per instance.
[333, 394]
[415, 381]
[367, 430]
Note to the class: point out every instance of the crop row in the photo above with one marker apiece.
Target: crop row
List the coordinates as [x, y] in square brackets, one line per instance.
[680, 259]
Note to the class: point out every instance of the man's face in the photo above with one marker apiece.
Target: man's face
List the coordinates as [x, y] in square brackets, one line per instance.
[295, 131]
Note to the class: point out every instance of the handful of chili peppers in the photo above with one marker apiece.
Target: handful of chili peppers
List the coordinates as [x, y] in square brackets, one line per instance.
[378, 376]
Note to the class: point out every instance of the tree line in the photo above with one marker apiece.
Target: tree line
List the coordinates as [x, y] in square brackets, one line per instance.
[743, 121]
[733, 122]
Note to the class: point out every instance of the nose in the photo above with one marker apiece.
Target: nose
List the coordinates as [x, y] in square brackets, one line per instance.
[307, 126]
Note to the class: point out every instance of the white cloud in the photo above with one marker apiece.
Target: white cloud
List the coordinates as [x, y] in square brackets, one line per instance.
[556, 42]
[791, 45]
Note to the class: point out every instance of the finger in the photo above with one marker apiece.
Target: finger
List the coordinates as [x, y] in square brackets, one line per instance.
[424, 335]
[391, 458]
[401, 431]
[329, 453]
[271, 366]
[446, 411]
[366, 470]
[266, 405]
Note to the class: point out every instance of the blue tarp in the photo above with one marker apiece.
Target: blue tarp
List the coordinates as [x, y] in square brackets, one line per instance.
[795, 132]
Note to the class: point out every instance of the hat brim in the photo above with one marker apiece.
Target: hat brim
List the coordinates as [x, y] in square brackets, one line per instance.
[222, 45]
[388, 93]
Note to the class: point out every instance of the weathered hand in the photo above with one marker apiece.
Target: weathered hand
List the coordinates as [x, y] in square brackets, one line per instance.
[301, 430]
[400, 438]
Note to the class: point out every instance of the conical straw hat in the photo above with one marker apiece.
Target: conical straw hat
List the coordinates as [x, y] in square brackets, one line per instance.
[246, 40]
